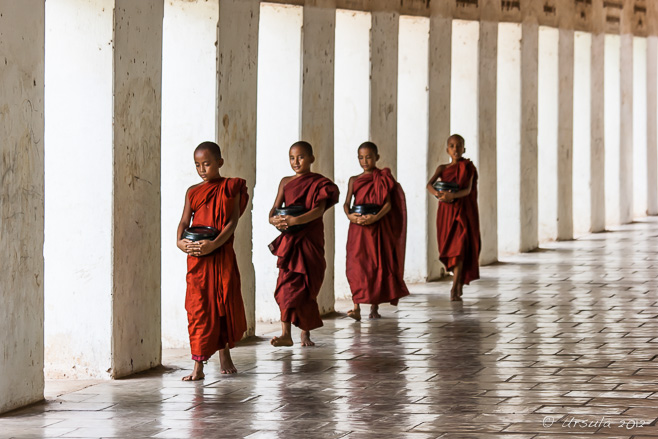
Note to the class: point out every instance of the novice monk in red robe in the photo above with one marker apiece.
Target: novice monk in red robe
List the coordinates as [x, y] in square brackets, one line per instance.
[375, 242]
[215, 312]
[457, 220]
[300, 251]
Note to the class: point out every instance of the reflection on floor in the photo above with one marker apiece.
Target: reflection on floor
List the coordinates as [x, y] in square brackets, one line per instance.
[561, 342]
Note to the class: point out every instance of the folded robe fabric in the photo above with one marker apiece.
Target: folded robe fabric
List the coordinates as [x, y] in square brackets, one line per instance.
[215, 311]
[376, 252]
[300, 254]
[458, 223]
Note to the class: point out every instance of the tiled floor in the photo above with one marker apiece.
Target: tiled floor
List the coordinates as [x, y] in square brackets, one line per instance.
[561, 342]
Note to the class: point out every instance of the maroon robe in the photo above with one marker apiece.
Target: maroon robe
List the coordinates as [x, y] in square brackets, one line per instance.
[300, 254]
[458, 223]
[215, 311]
[375, 253]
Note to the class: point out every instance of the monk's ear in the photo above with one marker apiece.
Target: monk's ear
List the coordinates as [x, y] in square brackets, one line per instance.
[377, 157]
[312, 159]
[220, 162]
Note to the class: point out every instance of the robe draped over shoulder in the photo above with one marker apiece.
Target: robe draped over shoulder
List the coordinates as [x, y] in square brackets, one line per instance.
[215, 310]
[376, 252]
[458, 223]
[300, 254]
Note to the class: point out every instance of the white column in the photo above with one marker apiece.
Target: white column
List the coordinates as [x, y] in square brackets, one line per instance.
[548, 131]
[317, 117]
[188, 118]
[612, 129]
[640, 157]
[529, 97]
[486, 152]
[439, 124]
[626, 130]
[597, 157]
[237, 83]
[412, 138]
[78, 270]
[464, 84]
[351, 119]
[652, 119]
[384, 86]
[21, 202]
[278, 127]
[582, 132]
[509, 134]
[136, 343]
[565, 135]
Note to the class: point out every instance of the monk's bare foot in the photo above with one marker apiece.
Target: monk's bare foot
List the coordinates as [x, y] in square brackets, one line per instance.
[283, 340]
[374, 312]
[355, 314]
[306, 339]
[197, 374]
[226, 362]
[460, 291]
[454, 294]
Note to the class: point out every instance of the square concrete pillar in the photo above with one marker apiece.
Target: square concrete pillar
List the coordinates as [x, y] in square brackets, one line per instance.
[612, 99]
[640, 156]
[529, 166]
[22, 39]
[626, 130]
[652, 120]
[582, 134]
[136, 327]
[384, 86]
[487, 167]
[597, 151]
[237, 79]
[317, 117]
[565, 135]
[440, 46]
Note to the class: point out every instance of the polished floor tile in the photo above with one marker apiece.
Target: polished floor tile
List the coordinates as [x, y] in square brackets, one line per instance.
[558, 343]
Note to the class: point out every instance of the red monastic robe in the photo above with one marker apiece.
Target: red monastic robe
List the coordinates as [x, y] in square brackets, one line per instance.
[215, 312]
[375, 253]
[300, 254]
[458, 223]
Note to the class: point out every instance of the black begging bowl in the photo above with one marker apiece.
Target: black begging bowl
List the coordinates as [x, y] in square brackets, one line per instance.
[199, 233]
[292, 211]
[365, 209]
[446, 186]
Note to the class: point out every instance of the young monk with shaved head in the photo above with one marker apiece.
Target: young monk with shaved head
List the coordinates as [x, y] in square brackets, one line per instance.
[457, 219]
[300, 247]
[215, 312]
[377, 235]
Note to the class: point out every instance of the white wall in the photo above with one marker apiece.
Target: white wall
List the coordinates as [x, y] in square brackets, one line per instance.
[639, 127]
[547, 132]
[464, 84]
[188, 118]
[582, 133]
[78, 162]
[279, 86]
[351, 119]
[412, 138]
[612, 128]
[509, 137]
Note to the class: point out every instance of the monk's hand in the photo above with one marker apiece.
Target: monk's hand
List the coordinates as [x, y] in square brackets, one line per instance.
[367, 219]
[354, 217]
[280, 222]
[205, 247]
[184, 245]
[447, 197]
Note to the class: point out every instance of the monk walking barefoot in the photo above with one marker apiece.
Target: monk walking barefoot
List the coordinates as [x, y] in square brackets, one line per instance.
[457, 220]
[377, 235]
[215, 312]
[300, 247]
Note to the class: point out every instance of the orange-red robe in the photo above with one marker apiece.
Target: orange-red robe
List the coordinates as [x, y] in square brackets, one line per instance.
[375, 253]
[215, 312]
[458, 223]
[300, 254]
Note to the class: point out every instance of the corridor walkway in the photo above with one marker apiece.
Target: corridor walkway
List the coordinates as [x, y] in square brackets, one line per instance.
[561, 342]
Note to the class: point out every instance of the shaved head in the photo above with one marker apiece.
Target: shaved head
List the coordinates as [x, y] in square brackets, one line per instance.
[369, 145]
[211, 147]
[458, 138]
[306, 147]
